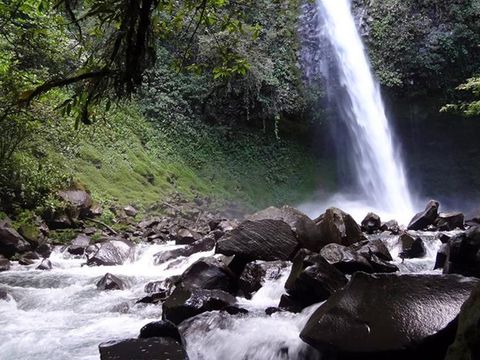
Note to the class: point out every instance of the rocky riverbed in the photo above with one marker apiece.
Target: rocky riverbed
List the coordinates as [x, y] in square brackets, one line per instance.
[198, 284]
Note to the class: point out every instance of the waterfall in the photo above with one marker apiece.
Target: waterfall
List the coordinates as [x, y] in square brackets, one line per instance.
[377, 167]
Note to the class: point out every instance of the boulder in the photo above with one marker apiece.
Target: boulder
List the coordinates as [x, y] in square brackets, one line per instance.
[45, 265]
[306, 231]
[372, 247]
[130, 211]
[338, 227]
[208, 273]
[205, 244]
[257, 272]
[186, 303]
[112, 252]
[4, 264]
[32, 234]
[427, 217]
[389, 316]
[463, 254]
[406, 241]
[345, 259]
[441, 258]
[416, 250]
[11, 242]
[79, 202]
[467, 341]
[267, 240]
[154, 348]
[391, 226]
[450, 221]
[313, 279]
[371, 223]
[110, 282]
[379, 265]
[165, 329]
[79, 244]
[185, 236]
[3, 294]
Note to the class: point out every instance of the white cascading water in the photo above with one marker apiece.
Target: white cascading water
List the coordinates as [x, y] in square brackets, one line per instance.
[378, 168]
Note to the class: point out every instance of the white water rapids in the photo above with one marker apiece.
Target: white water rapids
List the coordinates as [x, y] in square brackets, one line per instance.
[60, 314]
[377, 166]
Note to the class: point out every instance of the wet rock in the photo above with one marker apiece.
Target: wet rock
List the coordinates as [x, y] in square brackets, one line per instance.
[444, 238]
[381, 266]
[143, 349]
[423, 219]
[130, 211]
[257, 272]
[112, 252]
[79, 244]
[166, 285]
[346, 259]
[154, 298]
[338, 227]
[165, 329]
[416, 250]
[45, 265]
[44, 250]
[185, 236]
[26, 261]
[288, 303]
[306, 231]
[313, 279]
[467, 341]
[406, 241]
[3, 294]
[387, 316]
[208, 273]
[450, 221]
[372, 247]
[11, 242]
[4, 264]
[272, 310]
[110, 282]
[391, 226]
[267, 240]
[185, 303]
[205, 244]
[371, 223]
[463, 254]
[441, 258]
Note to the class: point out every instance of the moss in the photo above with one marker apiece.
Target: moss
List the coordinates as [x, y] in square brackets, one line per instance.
[62, 237]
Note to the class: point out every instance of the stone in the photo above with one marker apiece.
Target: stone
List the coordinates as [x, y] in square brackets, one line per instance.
[389, 316]
[11, 242]
[208, 273]
[346, 259]
[112, 252]
[312, 279]
[185, 236]
[205, 244]
[110, 282]
[338, 227]
[467, 340]
[372, 247]
[371, 223]
[391, 226]
[154, 348]
[450, 221]
[267, 240]
[45, 265]
[162, 329]
[256, 273]
[79, 244]
[130, 211]
[417, 250]
[442, 256]
[306, 231]
[3, 294]
[463, 254]
[79, 202]
[423, 219]
[185, 303]
[4, 264]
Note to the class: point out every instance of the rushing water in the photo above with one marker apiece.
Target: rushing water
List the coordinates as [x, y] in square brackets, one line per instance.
[377, 166]
[60, 314]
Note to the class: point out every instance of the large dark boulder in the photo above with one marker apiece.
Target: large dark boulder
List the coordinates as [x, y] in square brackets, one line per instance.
[467, 341]
[79, 244]
[441, 258]
[4, 264]
[416, 250]
[186, 303]
[45, 264]
[305, 229]
[267, 240]
[156, 348]
[463, 254]
[208, 273]
[450, 221]
[372, 247]
[79, 203]
[257, 272]
[346, 259]
[110, 282]
[205, 244]
[112, 252]
[186, 236]
[391, 226]
[427, 217]
[160, 329]
[312, 279]
[11, 242]
[387, 316]
[338, 227]
[371, 223]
